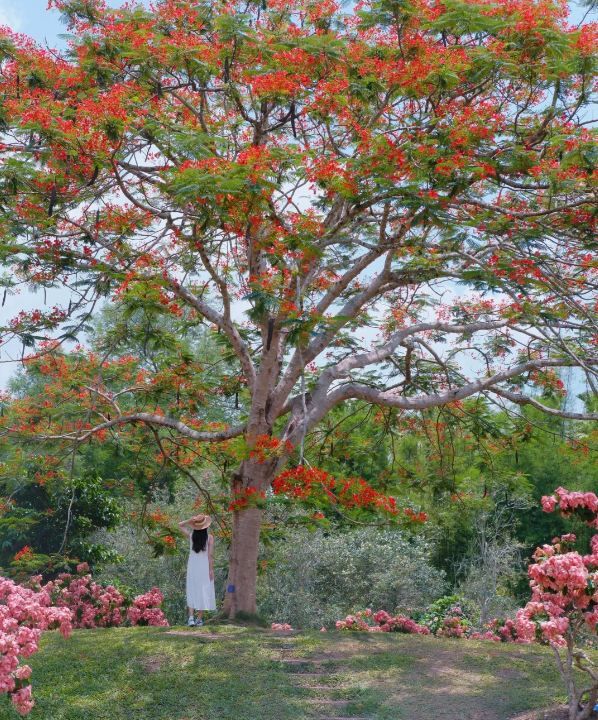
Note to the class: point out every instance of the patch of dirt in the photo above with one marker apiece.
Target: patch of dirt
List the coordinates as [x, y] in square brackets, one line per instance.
[310, 674]
[328, 656]
[450, 679]
[337, 717]
[557, 713]
[153, 663]
[443, 682]
[510, 674]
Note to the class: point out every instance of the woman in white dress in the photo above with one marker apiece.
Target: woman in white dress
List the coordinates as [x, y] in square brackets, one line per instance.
[200, 568]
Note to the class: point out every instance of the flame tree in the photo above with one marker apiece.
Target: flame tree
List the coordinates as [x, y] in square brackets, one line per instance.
[391, 203]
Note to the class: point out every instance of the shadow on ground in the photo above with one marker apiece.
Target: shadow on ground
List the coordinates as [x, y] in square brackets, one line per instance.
[234, 673]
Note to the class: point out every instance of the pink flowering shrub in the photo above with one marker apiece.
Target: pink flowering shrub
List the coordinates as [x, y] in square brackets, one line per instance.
[357, 622]
[146, 609]
[281, 627]
[94, 605]
[453, 627]
[399, 623]
[564, 603]
[446, 618]
[385, 622]
[497, 631]
[484, 635]
[508, 631]
[70, 601]
[24, 615]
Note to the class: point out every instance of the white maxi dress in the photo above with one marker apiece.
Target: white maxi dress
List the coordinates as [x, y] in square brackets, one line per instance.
[200, 589]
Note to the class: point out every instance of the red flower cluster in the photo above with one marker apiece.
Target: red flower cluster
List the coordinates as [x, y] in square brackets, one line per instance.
[420, 517]
[278, 82]
[305, 483]
[247, 497]
[266, 446]
[23, 554]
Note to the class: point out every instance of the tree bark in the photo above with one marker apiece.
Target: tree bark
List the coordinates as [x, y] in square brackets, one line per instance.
[240, 594]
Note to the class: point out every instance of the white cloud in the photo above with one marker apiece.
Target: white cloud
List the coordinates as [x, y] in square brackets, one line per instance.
[9, 15]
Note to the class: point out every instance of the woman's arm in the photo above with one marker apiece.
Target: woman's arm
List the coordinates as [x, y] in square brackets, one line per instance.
[184, 525]
[211, 555]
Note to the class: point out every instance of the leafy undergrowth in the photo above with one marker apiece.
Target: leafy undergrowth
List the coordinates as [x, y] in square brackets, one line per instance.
[236, 673]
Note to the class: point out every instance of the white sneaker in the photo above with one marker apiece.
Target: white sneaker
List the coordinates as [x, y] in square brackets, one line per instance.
[199, 623]
[191, 622]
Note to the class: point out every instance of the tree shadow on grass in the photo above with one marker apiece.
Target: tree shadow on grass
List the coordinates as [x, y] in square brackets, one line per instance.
[148, 674]
[415, 678]
[139, 674]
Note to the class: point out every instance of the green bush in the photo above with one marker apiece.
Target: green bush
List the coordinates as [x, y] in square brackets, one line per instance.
[313, 579]
[447, 607]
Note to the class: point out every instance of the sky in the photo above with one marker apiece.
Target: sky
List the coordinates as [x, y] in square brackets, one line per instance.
[31, 17]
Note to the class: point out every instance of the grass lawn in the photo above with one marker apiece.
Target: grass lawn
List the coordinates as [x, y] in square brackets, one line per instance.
[236, 673]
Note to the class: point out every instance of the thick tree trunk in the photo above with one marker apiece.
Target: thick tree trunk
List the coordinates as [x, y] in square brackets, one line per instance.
[242, 571]
[240, 594]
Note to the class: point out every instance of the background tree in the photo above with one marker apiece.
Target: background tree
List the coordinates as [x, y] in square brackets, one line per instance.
[56, 496]
[391, 205]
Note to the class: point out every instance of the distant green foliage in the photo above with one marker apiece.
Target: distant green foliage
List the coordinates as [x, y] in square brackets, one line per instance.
[52, 523]
[464, 465]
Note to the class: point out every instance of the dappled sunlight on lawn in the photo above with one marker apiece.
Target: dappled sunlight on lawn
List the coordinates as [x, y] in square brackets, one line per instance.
[229, 673]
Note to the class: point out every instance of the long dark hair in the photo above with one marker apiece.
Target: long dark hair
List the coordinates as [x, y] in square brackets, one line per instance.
[199, 540]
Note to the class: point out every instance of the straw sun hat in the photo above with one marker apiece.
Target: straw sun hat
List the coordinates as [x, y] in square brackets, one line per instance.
[200, 522]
